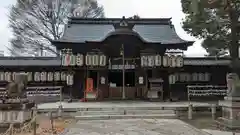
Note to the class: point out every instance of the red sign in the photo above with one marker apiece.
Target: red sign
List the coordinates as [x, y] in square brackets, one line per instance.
[89, 85]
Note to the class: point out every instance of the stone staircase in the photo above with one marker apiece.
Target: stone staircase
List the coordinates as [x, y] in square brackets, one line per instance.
[124, 113]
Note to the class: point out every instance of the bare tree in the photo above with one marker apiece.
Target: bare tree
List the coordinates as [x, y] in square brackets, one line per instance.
[35, 23]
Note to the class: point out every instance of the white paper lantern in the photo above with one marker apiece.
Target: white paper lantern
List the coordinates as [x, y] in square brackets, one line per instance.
[158, 60]
[63, 58]
[102, 60]
[57, 76]
[29, 76]
[69, 79]
[140, 80]
[13, 76]
[72, 60]
[88, 60]
[95, 60]
[63, 76]
[43, 76]
[194, 77]
[170, 79]
[150, 61]
[201, 77]
[174, 61]
[102, 80]
[79, 60]
[37, 76]
[165, 61]
[207, 77]
[179, 61]
[2, 76]
[50, 76]
[8, 76]
[144, 61]
[170, 61]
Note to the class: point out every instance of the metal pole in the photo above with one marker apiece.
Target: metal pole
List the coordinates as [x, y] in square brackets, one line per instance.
[123, 71]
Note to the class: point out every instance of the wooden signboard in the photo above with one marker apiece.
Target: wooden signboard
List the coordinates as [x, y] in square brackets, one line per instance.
[89, 85]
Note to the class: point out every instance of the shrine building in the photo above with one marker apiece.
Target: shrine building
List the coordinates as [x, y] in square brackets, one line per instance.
[122, 59]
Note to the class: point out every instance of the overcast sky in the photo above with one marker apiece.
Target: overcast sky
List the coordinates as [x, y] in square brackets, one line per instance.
[119, 8]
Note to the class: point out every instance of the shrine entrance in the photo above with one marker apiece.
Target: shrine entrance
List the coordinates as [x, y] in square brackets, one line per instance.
[115, 81]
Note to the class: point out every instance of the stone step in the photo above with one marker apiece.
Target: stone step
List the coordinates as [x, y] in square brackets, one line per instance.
[149, 112]
[106, 117]
[83, 113]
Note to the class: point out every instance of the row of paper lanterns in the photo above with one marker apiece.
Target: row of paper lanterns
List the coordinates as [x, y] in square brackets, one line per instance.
[79, 59]
[36, 76]
[189, 77]
[158, 60]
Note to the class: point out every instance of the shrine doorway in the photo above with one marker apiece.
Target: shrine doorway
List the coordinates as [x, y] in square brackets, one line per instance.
[115, 78]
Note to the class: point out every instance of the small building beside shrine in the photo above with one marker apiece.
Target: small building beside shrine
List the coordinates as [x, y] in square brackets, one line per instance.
[119, 58]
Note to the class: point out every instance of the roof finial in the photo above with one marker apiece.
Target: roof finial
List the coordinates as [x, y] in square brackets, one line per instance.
[123, 17]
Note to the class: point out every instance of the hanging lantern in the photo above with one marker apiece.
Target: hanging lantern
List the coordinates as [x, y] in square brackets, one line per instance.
[170, 79]
[88, 60]
[79, 60]
[179, 61]
[63, 76]
[29, 76]
[102, 60]
[144, 61]
[69, 79]
[1, 76]
[201, 77]
[13, 76]
[37, 76]
[50, 76]
[207, 77]
[7, 76]
[95, 60]
[165, 61]
[174, 61]
[63, 58]
[194, 77]
[57, 76]
[150, 61]
[43, 76]
[102, 80]
[170, 61]
[72, 60]
[158, 60]
[140, 80]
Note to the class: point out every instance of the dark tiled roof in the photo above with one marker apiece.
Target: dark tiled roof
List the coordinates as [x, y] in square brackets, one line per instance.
[54, 61]
[96, 30]
[86, 32]
[164, 34]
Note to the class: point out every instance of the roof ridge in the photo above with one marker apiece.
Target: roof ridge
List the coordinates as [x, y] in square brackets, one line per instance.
[77, 20]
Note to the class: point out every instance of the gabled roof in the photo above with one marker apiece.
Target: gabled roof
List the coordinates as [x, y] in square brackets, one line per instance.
[81, 30]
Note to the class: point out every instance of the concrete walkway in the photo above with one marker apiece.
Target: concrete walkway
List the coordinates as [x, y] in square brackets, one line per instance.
[133, 127]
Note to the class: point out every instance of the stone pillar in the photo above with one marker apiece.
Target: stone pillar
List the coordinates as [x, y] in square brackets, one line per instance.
[190, 111]
[213, 110]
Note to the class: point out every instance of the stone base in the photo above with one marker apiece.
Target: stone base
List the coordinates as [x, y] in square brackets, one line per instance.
[230, 124]
[230, 113]
[15, 117]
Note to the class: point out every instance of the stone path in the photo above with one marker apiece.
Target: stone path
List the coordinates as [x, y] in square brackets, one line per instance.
[133, 127]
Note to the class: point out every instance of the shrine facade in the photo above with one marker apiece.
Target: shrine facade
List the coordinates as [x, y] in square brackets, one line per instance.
[124, 59]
